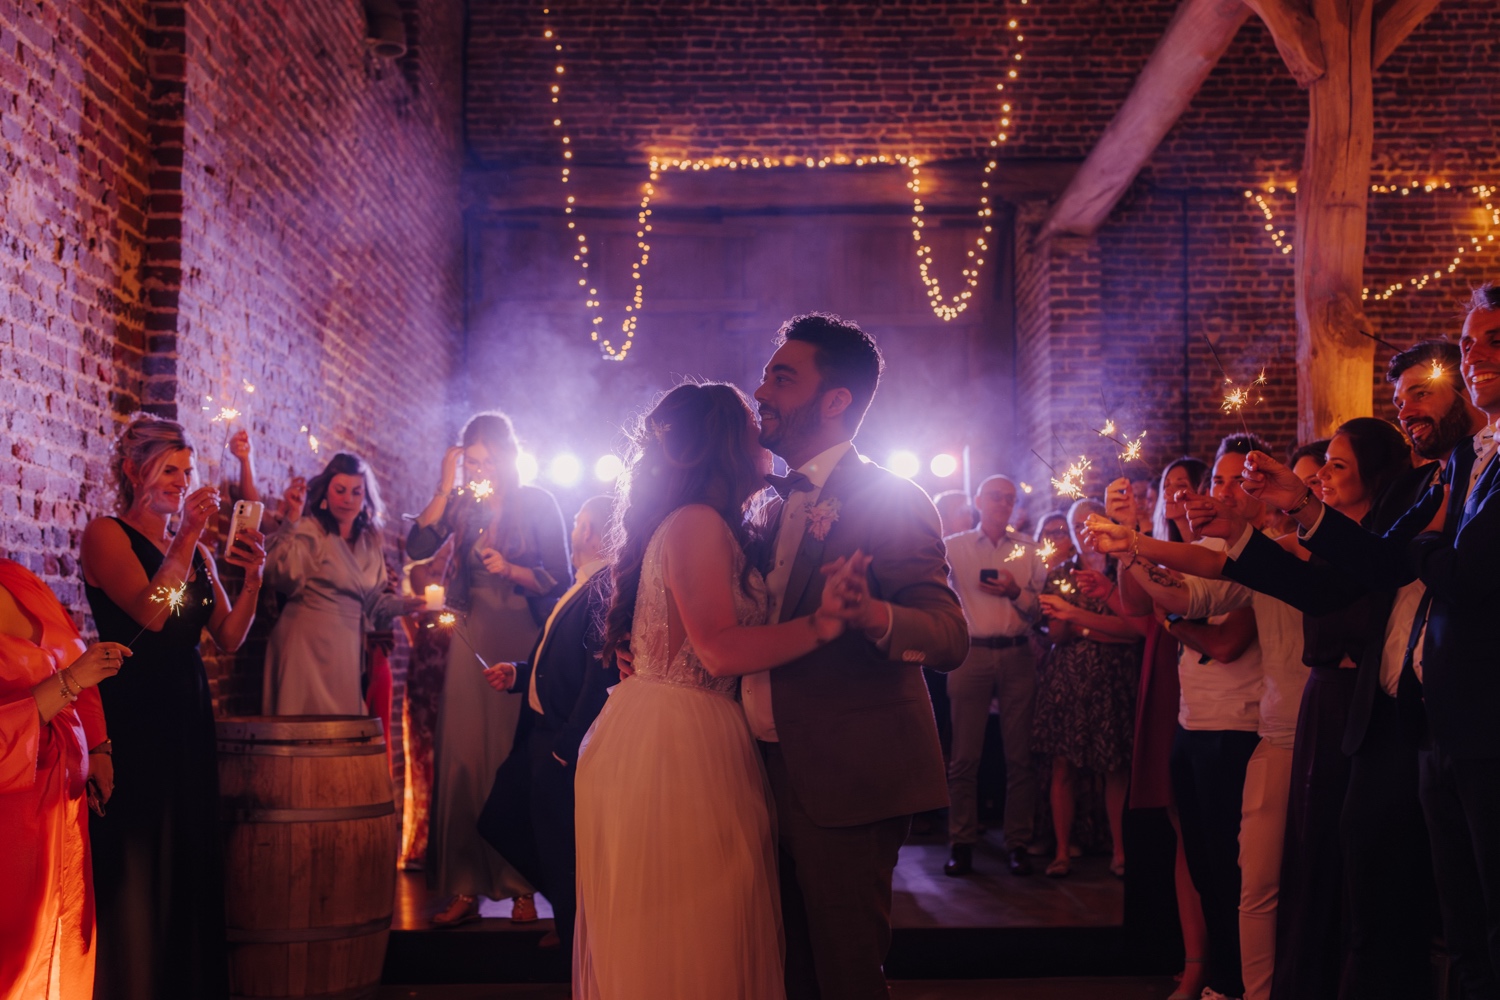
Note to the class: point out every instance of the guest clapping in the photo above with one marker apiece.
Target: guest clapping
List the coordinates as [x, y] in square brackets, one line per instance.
[331, 567]
[161, 912]
[53, 753]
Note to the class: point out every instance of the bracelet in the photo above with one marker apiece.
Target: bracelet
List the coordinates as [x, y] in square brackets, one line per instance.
[107, 748]
[1135, 546]
[67, 692]
[1307, 498]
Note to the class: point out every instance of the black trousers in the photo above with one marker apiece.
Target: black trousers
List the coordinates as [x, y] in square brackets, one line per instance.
[528, 818]
[1389, 890]
[1208, 782]
[1461, 801]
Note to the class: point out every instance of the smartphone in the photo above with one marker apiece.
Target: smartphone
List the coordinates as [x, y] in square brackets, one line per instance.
[989, 575]
[247, 515]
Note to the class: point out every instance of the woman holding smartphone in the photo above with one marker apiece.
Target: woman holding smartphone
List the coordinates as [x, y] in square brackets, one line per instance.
[158, 870]
[330, 566]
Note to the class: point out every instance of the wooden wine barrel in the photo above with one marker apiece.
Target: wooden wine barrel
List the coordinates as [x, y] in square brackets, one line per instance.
[310, 855]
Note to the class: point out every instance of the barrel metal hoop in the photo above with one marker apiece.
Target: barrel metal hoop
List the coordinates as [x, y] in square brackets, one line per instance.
[301, 749]
[330, 815]
[287, 935]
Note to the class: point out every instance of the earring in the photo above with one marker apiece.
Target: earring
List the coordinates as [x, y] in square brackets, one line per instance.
[323, 505]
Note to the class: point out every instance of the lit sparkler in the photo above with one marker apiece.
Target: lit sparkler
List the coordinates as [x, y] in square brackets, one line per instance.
[482, 490]
[172, 599]
[1025, 487]
[1047, 550]
[1438, 371]
[1071, 483]
[1235, 400]
[448, 619]
[225, 415]
[1065, 587]
[1019, 552]
[1132, 452]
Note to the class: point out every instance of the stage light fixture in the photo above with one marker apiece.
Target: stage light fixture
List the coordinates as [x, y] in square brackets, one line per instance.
[608, 468]
[526, 465]
[565, 470]
[905, 464]
[943, 465]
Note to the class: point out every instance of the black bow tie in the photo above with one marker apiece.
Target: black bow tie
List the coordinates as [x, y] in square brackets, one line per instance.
[785, 486]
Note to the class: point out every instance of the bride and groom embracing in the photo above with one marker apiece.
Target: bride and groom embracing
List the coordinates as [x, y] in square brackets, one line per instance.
[742, 797]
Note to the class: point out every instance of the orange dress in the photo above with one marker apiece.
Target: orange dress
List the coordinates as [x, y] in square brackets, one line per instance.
[47, 921]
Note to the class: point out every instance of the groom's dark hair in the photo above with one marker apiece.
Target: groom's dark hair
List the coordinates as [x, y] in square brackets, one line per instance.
[846, 356]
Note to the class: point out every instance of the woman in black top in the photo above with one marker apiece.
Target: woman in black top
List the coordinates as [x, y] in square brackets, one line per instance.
[157, 868]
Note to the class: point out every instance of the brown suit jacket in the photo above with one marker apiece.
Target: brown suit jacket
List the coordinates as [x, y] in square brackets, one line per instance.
[856, 724]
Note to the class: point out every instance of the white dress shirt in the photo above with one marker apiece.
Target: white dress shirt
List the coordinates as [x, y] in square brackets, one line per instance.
[990, 616]
[755, 689]
[1215, 695]
[585, 571]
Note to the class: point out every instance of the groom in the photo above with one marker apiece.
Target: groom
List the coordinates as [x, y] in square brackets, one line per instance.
[847, 732]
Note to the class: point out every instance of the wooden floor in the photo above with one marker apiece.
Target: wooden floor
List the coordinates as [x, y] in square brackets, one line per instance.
[986, 925]
[1101, 988]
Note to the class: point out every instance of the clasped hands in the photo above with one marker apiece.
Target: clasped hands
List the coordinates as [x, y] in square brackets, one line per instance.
[846, 599]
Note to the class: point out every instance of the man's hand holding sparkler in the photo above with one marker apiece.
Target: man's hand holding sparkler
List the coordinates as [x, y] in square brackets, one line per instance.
[501, 677]
[1275, 485]
[1211, 518]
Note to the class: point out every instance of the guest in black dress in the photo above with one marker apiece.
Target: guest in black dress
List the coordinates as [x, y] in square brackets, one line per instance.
[158, 874]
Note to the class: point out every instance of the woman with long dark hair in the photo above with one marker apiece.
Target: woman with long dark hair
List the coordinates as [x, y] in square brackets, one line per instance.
[510, 564]
[677, 885]
[331, 567]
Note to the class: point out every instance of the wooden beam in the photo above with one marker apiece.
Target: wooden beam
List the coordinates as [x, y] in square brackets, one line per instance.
[1296, 36]
[1394, 20]
[1195, 40]
[1334, 358]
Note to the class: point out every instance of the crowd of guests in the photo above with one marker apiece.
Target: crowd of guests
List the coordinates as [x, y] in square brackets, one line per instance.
[1290, 657]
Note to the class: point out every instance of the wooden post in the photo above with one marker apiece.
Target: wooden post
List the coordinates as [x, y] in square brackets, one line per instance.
[1333, 355]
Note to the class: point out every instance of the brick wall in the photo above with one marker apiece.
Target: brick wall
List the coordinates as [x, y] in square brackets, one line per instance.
[203, 196]
[1183, 256]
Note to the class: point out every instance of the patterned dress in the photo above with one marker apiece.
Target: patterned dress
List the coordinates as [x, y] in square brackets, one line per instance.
[1086, 691]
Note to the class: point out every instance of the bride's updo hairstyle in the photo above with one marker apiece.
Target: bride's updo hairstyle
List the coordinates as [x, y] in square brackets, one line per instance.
[697, 445]
[145, 444]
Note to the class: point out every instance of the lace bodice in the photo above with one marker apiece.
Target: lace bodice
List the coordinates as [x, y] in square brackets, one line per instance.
[651, 642]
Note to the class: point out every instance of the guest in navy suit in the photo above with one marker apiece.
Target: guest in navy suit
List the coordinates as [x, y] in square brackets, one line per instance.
[1447, 541]
[529, 814]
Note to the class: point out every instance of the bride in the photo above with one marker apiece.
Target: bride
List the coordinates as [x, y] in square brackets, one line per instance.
[677, 887]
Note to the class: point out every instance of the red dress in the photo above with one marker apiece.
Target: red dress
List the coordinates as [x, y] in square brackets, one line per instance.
[49, 894]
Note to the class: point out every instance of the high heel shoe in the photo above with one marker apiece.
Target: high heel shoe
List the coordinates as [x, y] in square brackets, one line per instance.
[461, 910]
[1187, 988]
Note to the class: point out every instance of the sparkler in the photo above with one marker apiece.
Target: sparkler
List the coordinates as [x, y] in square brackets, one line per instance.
[172, 599]
[1019, 552]
[1025, 487]
[448, 619]
[1235, 398]
[482, 490]
[1065, 587]
[1438, 371]
[1047, 550]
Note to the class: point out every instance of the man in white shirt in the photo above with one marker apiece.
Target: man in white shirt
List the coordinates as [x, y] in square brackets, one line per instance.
[997, 575]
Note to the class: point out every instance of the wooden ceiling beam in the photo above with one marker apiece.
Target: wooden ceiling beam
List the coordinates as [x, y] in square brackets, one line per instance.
[1195, 40]
[1394, 20]
[1296, 35]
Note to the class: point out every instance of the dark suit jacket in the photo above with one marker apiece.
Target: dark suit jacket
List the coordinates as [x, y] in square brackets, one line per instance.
[571, 683]
[1460, 675]
[856, 724]
[1345, 613]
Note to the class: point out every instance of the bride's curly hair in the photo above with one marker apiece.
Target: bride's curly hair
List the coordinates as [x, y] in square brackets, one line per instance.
[696, 445]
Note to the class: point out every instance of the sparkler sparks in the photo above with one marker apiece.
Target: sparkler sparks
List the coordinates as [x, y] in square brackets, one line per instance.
[1438, 371]
[1071, 483]
[448, 619]
[1047, 550]
[225, 415]
[1019, 552]
[1235, 400]
[1065, 587]
[1132, 452]
[1025, 487]
[172, 599]
[482, 490]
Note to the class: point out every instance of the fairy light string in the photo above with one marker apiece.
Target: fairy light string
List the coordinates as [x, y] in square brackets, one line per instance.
[946, 306]
[1484, 194]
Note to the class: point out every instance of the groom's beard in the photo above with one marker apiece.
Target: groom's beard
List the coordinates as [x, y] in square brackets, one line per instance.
[788, 427]
[1449, 429]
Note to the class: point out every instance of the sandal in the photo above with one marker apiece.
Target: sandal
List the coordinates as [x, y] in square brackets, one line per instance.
[461, 910]
[1185, 992]
[523, 910]
[1059, 868]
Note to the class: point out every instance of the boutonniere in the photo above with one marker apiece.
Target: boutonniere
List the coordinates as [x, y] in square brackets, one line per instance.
[822, 516]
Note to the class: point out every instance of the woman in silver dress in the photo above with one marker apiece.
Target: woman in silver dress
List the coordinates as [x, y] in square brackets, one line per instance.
[330, 565]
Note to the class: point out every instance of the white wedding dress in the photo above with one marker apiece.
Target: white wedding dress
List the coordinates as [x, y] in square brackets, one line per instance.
[677, 889]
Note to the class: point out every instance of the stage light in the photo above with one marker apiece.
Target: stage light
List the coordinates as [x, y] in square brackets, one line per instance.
[944, 465]
[608, 468]
[526, 465]
[904, 464]
[565, 470]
